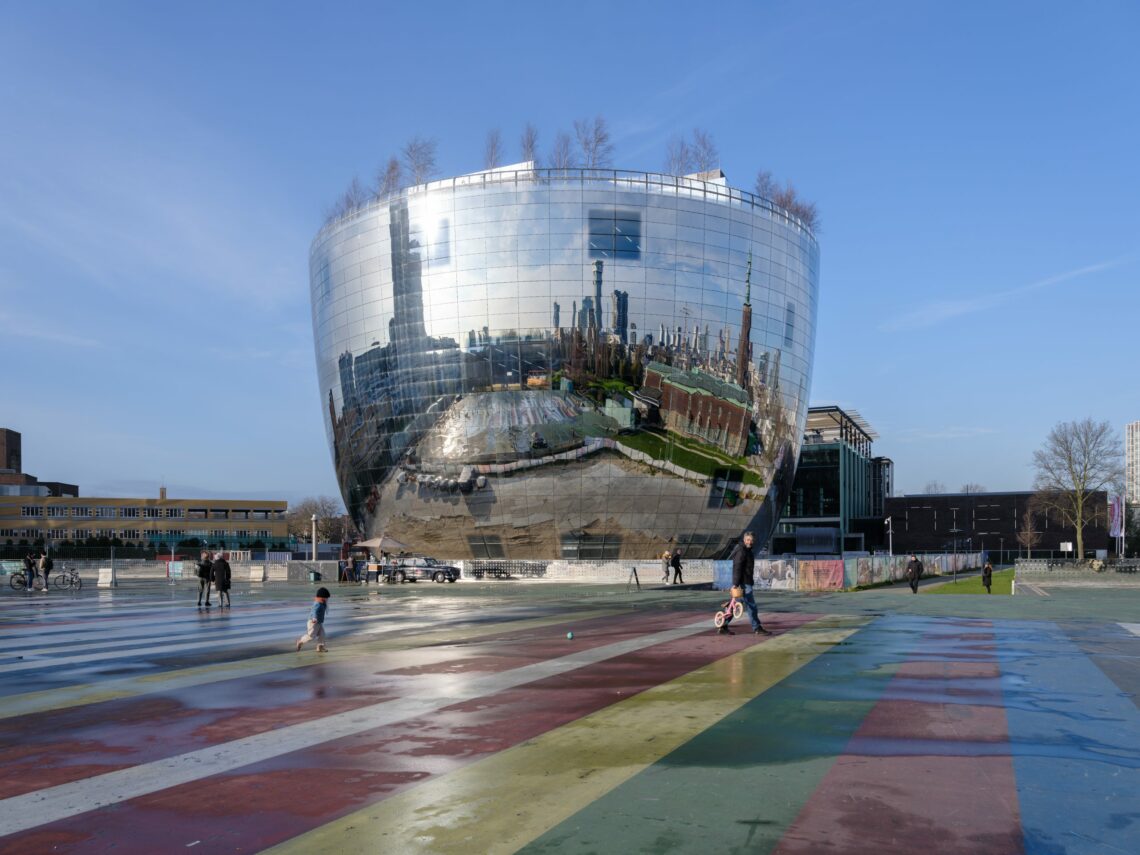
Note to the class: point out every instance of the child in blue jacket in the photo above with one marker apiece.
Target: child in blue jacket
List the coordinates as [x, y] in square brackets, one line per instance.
[316, 626]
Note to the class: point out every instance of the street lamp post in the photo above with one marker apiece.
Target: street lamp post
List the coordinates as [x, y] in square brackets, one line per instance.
[314, 537]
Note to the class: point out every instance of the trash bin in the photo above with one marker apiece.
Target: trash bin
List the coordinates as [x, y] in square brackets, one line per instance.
[314, 576]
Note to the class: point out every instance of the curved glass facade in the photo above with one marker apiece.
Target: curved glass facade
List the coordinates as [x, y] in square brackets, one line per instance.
[565, 363]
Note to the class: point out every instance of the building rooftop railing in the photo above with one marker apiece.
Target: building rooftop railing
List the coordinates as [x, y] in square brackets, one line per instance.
[622, 178]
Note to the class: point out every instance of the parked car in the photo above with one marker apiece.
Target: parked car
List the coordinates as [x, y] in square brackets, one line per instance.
[417, 567]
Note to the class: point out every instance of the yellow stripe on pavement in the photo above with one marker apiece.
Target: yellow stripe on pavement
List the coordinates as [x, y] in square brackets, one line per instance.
[504, 801]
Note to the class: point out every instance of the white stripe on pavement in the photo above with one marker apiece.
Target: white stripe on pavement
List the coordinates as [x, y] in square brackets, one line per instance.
[30, 810]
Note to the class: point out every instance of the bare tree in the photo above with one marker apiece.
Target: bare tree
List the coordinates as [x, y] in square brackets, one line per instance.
[1078, 460]
[788, 199]
[419, 159]
[705, 153]
[562, 157]
[390, 179]
[330, 519]
[934, 487]
[678, 157]
[766, 186]
[1029, 536]
[970, 487]
[594, 142]
[493, 153]
[354, 196]
[529, 143]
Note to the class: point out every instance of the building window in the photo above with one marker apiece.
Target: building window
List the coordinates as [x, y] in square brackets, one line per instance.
[486, 546]
[263, 533]
[219, 533]
[130, 513]
[614, 234]
[590, 547]
[130, 534]
[105, 513]
[31, 511]
[174, 513]
[789, 323]
[152, 513]
[56, 511]
[81, 513]
[82, 533]
[58, 534]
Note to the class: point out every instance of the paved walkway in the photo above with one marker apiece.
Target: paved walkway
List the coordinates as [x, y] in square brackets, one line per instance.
[461, 718]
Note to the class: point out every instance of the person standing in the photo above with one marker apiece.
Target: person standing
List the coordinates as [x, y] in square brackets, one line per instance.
[205, 574]
[30, 572]
[221, 573]
[316, 625]
[665, 556]
[45, 568]
[913, 573]
[743, 576]
[676, 562]
[988, 576]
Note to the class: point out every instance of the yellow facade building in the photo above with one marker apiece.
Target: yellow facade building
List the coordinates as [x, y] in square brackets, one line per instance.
[56, 520]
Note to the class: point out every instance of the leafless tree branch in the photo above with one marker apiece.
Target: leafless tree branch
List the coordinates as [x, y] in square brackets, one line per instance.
[493, 153]
[528, 143]
[562, 157]
[705, 153]
[419, 159]
[678, 157]
[594, 142]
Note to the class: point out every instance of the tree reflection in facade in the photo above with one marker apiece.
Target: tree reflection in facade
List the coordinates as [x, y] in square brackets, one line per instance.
[470, 416]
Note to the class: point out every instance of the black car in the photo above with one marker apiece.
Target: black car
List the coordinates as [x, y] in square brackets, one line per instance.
[418, 567]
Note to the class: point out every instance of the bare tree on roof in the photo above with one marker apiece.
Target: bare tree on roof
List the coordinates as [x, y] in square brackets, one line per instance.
[493, 153]
[562, 156]
[766, 186]
[789, 199]
[934, 487]
[705, 153]
[1077, 462]
[593, 137]
[354, 196]
[529, 143]
[390, 179]
[678, 157]
[419, 159]
[970, 487]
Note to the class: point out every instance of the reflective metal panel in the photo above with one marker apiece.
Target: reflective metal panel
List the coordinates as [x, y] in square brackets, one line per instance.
[565, 363]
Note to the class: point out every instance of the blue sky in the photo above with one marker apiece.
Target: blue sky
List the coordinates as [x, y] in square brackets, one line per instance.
[163, 168]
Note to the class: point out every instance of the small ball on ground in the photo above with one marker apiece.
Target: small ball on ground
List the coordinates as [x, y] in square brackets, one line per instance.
[570, 635]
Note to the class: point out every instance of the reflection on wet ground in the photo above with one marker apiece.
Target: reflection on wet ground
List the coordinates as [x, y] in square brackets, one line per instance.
[466, 718]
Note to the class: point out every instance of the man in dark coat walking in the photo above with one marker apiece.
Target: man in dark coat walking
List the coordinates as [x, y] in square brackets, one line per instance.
[913, 573]
[676, 562]
[743, 564]
[221, 573]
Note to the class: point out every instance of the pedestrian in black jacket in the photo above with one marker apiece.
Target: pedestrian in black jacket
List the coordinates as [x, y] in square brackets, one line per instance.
[205, 574]
[913, 573]
[743, 565]
[988, 576]
[676, 562]
[221, 573]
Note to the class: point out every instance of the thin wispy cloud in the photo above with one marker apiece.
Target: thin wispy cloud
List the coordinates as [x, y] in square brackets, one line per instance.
[941, 311]
[28, 328]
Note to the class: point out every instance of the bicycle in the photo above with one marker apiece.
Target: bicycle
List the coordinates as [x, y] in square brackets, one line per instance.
[68, 578]
[19, 581]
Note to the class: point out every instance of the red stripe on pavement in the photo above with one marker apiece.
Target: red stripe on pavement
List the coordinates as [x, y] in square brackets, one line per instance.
[269, 802]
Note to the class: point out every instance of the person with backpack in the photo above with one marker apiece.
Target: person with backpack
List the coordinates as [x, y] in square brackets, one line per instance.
[205, 574]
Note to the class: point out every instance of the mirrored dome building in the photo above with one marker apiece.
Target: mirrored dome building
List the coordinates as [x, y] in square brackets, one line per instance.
[565, 363]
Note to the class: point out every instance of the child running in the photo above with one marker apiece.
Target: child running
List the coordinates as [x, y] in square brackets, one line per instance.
[316, 626]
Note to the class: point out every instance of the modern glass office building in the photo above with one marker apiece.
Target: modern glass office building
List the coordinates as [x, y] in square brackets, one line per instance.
[539, 363]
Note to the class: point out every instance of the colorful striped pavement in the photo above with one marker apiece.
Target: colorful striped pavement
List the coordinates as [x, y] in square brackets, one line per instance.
[462, 719]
